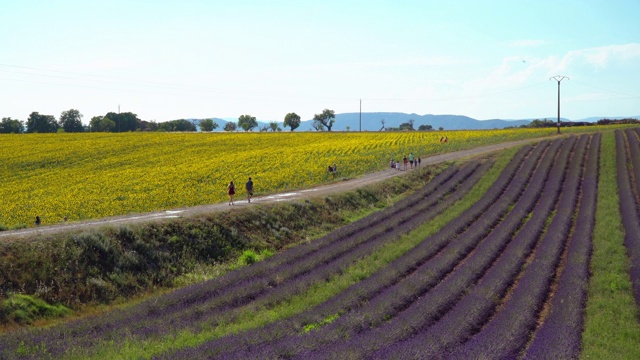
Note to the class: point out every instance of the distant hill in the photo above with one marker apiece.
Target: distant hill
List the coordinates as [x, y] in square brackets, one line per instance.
[372, 121]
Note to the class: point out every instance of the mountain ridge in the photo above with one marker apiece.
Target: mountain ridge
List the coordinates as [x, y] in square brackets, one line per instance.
[372, 121]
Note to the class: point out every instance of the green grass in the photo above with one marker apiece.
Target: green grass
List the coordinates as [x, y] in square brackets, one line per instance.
[252, 316]
[25, 309]
[612, 330]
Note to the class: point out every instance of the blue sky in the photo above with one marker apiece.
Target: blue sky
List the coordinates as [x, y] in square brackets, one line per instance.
[167, 60]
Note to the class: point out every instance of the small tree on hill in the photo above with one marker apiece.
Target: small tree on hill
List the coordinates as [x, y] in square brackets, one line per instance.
[208, 125]
[274, 126]
[292, 120]
[37, 123]
[247, 122]
[71, 121]
[11, 126]
[326, 118]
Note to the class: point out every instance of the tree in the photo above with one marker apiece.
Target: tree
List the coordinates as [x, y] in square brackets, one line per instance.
[440, 128]
[230, 126]
[326, 118]
[292, 120]
[406, 126]
[177, 125]
[71, 121]
[247, 122]
[11, 126]
[425, 127]
[274, 126]
[107, 125]
[537, 123]
[101, 124]
[94, 124]
[148, 125]
[37, 123]
[208, 125]
[124, 121]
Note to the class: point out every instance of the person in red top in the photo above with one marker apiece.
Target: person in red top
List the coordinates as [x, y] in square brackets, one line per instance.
[231, 190]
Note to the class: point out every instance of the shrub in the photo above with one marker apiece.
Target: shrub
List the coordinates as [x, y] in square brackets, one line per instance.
[24, 309]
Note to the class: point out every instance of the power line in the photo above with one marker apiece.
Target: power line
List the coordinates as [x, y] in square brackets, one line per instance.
[632, 96]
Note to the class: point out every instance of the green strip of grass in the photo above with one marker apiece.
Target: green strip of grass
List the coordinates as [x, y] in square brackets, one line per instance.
[252, 317]
[611, 325]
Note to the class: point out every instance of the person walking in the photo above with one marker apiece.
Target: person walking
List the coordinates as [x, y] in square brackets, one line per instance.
[231, 190]
[411, 160]
[249, 187]
[405, 160]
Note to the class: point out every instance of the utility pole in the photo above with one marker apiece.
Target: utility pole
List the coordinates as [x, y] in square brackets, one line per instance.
[558, 78]
[360, 115]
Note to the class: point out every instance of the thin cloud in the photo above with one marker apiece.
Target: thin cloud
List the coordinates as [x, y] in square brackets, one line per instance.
[600, 57]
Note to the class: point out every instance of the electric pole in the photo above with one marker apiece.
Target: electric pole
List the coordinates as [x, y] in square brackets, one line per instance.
[558, 78]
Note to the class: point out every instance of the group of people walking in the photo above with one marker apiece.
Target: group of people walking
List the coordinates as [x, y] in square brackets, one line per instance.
[231, 190]
[409, 162]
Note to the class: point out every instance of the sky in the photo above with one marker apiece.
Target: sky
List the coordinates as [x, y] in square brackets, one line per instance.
[166, 60]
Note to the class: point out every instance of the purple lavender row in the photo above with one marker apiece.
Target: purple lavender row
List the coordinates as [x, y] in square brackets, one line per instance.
[357, 293]
[634, 148]
[508, 331]
[109, 329]
[630, 216]
[476, 307]
[429, 307]
[398, 302]
[559, 337]
[634, 154]
[417, 282]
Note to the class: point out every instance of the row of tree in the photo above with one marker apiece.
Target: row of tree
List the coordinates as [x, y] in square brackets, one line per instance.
[71, 121]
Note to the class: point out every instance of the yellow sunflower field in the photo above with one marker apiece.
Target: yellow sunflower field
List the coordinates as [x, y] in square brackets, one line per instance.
[94, 175]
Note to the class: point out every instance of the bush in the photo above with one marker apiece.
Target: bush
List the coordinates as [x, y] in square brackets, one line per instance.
[24, 309]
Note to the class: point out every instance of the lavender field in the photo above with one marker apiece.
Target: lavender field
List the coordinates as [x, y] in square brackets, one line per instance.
[507, 278]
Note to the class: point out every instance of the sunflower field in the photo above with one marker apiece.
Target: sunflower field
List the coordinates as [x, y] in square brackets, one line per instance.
[94, 175]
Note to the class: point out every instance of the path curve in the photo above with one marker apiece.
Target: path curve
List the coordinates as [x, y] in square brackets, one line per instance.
[318, 191]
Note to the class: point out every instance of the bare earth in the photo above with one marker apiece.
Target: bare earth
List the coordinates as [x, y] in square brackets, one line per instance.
[319, 191]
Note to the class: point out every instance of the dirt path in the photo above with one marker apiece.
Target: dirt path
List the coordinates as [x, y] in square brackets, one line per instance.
[288, 196]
